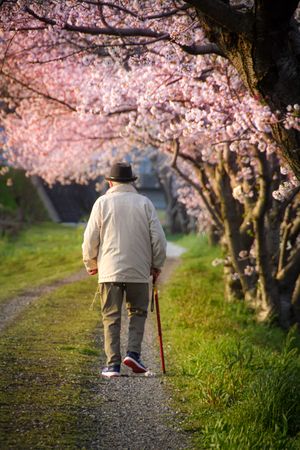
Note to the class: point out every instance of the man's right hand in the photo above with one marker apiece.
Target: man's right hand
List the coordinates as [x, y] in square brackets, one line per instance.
[155, 274]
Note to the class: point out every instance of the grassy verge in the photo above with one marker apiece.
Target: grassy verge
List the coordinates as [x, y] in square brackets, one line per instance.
[48, 372]
[38, 255]
[18, 196]
[236, 382]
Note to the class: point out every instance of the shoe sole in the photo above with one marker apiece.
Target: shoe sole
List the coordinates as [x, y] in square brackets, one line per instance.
[135, 366]
[111, 375]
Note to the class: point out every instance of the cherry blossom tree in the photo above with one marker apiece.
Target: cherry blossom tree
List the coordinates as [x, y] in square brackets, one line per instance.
[79, 91]
[229, 159]
[260, 231]
[261, 40]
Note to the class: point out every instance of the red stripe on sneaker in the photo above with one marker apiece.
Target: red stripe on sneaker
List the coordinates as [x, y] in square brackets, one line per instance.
[134, 365]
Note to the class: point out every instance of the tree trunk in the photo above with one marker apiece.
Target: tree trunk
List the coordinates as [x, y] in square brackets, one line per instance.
[296, 302]
[233, 240]
[213, 234]
[268, 286]
[263, 44]
[233, 287]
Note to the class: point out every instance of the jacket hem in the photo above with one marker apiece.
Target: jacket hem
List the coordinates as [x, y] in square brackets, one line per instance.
[123, 280]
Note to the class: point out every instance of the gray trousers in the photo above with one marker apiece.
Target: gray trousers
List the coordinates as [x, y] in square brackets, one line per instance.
[137, 299]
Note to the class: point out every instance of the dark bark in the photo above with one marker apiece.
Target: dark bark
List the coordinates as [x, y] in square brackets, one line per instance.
[288, 275]
[295, 230]
[296, 301]
[263, 44]
[207, 197]
[265, 275]
[232, 220]
[233, 288]
[268, 286]
[177, 219]
[213, 235]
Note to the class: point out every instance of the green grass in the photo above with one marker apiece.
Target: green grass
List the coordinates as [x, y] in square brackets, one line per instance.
[22, 196]
[49, 382]
[38, 255]
[236, 382]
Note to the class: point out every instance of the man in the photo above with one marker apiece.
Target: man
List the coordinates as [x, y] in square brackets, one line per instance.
[124, 243]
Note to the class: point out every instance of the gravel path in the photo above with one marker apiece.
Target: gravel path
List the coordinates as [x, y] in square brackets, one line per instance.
[134, 411]
[11, 309]
[136, 414]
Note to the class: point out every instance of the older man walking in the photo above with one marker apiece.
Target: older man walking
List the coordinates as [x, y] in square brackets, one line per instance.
[124, 243]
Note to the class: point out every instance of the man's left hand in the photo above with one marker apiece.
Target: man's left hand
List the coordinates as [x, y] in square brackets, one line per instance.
[92, 271]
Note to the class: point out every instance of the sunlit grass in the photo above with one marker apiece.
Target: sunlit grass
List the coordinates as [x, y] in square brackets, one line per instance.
[39, 254]
[236, 381]
[20, 196]
[49, 362]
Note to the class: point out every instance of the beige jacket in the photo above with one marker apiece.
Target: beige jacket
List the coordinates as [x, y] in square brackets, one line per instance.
[123, 237]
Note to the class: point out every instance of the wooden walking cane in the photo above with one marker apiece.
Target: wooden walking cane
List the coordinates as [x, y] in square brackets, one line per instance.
[161, 348]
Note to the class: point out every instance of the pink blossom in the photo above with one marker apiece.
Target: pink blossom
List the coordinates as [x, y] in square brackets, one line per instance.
[249, 270]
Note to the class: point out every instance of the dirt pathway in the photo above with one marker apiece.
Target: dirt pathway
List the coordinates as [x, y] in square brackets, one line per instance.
[11, 309]
[137, 414]
[134, 412]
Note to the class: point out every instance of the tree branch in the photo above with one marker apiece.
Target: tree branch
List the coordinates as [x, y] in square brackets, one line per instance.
[289, 200]
[103, 18]
[295, 230]
[122, 111]
[296, 299]
[263, 185]
[131, 32]
[224, 15]
[38, 17]
[202, 49]
[287, 225]
[197, 188]
[25, 29]
[35, 91]
[163, 15]
[111, 5]
[97, 31]
[288, 275]
[134, 14]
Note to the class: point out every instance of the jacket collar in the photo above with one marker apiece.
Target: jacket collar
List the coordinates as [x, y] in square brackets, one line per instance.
[121, 188]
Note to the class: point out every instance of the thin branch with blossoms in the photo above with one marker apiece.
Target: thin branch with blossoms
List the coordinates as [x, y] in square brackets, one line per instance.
[197, 188]
[35, 91]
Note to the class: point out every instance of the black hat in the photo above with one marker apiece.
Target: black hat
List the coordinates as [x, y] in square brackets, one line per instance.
[121, 172]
